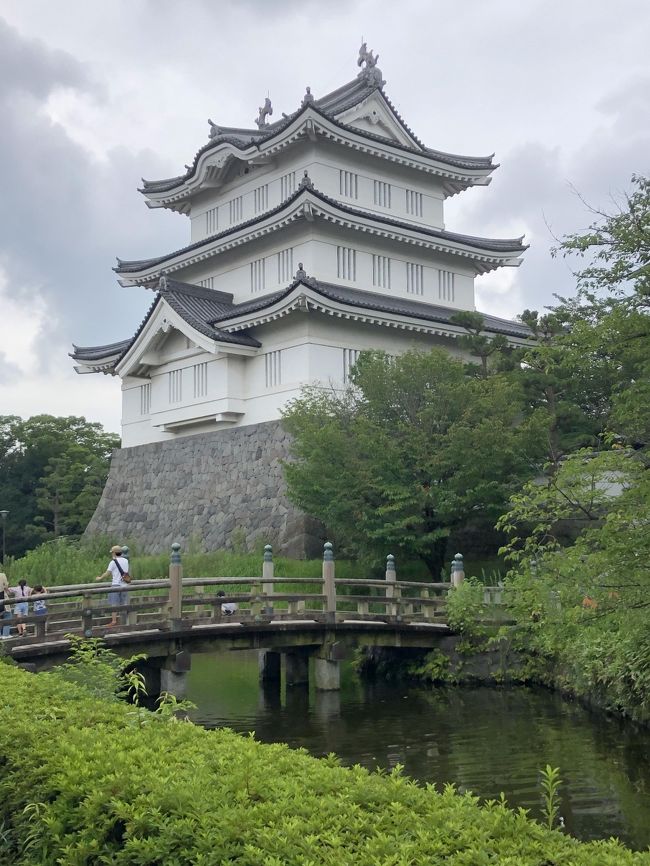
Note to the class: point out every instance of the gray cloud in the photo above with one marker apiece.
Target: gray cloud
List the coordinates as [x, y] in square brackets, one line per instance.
[63, 212]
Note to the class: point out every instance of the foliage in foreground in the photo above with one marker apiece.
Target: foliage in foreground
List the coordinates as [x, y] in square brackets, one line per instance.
[92, 786]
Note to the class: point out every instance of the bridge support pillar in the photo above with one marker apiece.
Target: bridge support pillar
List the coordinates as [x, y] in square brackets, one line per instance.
[173, 682]
[269, 665]
[328, 674]
[296, 668]
[173, 674]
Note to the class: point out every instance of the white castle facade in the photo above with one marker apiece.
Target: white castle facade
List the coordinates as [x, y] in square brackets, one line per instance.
[312, 238]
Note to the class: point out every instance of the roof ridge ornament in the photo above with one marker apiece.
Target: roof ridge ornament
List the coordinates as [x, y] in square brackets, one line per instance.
[308, 98]
[214, 129]
[306, 182]
[302, 276]
[370, 73]
[264, 111]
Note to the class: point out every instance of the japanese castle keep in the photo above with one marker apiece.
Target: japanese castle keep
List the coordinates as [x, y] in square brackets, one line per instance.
[313, 237]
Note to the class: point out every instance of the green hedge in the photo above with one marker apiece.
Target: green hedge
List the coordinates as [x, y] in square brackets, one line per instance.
[85, 781]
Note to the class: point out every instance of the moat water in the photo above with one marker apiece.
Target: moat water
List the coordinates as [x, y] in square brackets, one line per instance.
[484, 740]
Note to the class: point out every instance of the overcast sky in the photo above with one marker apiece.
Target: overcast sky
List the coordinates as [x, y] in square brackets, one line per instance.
[94, 96]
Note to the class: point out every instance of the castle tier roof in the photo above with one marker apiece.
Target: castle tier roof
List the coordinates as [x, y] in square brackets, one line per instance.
[330, 107]
[214, 314]
[481, 247]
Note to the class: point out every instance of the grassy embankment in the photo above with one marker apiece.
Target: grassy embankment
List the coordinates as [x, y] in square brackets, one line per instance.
[96, 781]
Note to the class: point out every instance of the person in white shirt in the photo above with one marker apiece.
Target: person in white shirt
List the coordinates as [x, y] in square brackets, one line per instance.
[117, 567]
[22, 593]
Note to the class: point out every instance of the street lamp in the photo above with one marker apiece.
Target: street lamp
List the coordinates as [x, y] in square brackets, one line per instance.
[4, 514]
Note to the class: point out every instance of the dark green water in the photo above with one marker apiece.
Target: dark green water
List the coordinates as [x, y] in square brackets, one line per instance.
[483, 740]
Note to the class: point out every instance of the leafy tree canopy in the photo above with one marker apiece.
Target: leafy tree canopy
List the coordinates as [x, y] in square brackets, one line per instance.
[411, 449]
[52, 472]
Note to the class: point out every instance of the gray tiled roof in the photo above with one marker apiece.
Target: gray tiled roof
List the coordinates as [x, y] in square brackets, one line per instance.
[96, 353]
[196, 305]
[499, 245]
[328, 106]
[373, 301]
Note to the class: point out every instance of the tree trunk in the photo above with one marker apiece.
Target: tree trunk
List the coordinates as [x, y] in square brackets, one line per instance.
[435, 558]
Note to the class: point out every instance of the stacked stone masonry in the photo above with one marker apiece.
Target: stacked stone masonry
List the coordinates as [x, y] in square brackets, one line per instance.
[209, 491]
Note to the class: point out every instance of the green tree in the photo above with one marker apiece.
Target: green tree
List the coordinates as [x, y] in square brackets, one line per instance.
[413, 448]
[52, 472]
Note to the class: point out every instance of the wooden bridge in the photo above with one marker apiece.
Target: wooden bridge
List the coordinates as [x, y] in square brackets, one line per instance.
[168, 620]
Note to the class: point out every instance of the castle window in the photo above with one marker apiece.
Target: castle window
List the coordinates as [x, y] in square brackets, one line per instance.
[273, 368]
[145, 399]
[258, 278]
[287, 185]
[236, 206]
[382, 193]
[350, 358]
[285, 265]
[414, 279]
[381, 271]
[175, 386]
[207, 283]
[211, 220]
[261, 198]
[348, 184]
[346, 263]
[446, 288]
[413, 203]
[200, 372]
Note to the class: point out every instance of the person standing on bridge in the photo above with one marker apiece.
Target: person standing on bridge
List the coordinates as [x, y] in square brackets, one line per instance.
[118, 567]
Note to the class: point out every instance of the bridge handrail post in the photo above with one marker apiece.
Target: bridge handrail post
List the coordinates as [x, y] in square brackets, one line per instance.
[392, 591]
[175, 605]
[268, 575]
[457, 570]
[87, 615]
[329, 586]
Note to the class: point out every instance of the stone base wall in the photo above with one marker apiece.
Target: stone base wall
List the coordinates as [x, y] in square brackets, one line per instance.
[212, 490]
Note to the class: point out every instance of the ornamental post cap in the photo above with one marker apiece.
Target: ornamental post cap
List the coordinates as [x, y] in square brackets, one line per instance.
[268, 553]
[328, 551]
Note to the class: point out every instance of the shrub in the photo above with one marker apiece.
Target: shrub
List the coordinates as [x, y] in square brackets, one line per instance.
[84, 783]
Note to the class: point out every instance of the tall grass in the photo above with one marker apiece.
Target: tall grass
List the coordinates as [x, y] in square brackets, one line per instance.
[68, 562]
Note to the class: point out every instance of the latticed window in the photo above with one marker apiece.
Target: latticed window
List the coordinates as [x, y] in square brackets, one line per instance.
[236, 207]
[258, 275]
[287, 185]
[414, 279]
[413, 203]
[175, 386]
[381, 271]
[212, 220]
[382, 193]
[200, 376]
[346, 263]
[261, 198]
[348, 184]
[350, 358]
[145, 399]
[446, 287]
[273, 368]
[207, 283]
[285, 265]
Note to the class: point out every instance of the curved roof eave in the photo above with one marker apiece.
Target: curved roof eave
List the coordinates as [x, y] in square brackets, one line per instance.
[466, 163]
[496, 246]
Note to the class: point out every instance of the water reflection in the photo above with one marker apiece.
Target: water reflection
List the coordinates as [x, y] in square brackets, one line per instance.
[483, 740]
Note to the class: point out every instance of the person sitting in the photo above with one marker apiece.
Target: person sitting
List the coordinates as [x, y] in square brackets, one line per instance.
[228, 607]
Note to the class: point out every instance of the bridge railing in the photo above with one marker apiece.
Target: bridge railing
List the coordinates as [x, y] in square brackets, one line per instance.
[176, 602]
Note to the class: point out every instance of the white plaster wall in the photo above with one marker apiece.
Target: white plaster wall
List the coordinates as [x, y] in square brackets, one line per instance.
[311, 348]
[323, 161]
